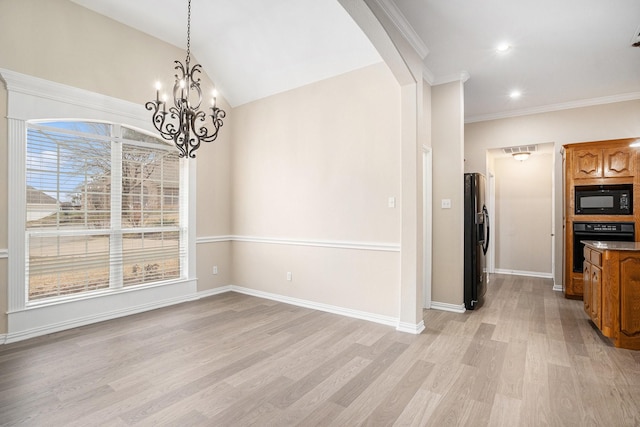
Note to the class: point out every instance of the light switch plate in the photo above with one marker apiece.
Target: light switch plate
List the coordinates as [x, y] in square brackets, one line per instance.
[446, 203]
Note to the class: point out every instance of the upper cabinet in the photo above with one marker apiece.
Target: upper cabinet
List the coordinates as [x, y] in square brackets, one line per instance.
[587, 164]
[603, 163]
[618, 162]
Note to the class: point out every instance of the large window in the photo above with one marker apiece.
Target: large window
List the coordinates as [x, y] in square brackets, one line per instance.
[102, 209]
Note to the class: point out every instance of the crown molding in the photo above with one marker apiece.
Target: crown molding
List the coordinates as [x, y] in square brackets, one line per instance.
[632, 96]
[428, 76]
[462, 76]
[398, 19]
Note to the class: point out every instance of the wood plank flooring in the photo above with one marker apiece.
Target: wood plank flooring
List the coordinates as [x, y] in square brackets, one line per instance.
[528, 357]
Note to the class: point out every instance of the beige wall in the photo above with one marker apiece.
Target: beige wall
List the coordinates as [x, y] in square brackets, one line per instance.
[595, 123]
[319, 164]
[60, 41]
[448, 142]
[522, 229]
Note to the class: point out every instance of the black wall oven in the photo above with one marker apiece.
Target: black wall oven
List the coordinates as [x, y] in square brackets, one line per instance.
[604, 199]
[599, 231]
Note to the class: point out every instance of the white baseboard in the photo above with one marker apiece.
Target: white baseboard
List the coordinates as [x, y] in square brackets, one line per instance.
[215, 291]
[363, 315]
[557, 287]
[411, 328]
[357, 314]
[454, 308]
[524, 273]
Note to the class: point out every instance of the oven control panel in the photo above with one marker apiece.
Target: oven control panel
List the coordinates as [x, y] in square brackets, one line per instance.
[604, 227]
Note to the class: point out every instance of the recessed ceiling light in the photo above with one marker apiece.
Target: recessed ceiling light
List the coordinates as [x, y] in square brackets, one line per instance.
[515, 94]
[503, 47]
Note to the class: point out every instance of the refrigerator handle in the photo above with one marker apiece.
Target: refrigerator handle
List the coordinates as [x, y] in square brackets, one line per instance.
[485, 247]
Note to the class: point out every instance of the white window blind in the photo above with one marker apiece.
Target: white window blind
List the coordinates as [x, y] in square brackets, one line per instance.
[103, 205]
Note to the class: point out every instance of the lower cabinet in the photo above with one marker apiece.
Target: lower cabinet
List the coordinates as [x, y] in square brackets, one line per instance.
[611, 282]
[592, 289]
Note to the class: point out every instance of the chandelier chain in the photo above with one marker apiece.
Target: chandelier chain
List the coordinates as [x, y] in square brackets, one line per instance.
[189, 32]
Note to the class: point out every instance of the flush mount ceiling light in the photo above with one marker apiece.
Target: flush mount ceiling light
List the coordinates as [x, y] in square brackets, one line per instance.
[184, 122]
[515, 94]
[522, 152]
[522, 156]
[503, 47]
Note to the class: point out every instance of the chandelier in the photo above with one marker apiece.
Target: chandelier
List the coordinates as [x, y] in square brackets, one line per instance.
[184, 121]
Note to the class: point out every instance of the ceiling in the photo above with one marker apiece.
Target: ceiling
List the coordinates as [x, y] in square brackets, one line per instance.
[562, 53]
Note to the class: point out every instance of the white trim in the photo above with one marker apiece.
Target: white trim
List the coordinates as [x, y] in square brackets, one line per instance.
[524, 273]
[462, 76]
[402, 25]
[555, 107]
[334, 244]
[3, 338]
[443, 306]
[46, 319]
[4, 253]
[411, 328]
[427, 225]
[491, 190]
[214, 291]
[95, 105]
[214, 239]
[428, 76]
[17, 179]
[557, 287]
[347, 312]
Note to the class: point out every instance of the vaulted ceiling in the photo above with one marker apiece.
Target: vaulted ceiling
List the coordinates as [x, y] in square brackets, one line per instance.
[561, 53]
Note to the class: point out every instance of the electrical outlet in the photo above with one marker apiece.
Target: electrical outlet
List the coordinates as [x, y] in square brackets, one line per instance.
[215, 269]
[289, 276]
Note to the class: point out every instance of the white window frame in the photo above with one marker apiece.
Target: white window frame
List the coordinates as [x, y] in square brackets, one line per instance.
[31, 98]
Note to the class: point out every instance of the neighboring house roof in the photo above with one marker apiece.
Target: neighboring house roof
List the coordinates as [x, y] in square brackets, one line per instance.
[35, 196]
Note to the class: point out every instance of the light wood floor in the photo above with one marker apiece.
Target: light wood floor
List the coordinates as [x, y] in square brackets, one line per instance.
[529, 357]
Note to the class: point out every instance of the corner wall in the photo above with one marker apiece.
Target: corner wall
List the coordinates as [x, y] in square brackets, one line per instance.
[448, 180]
[313, 170]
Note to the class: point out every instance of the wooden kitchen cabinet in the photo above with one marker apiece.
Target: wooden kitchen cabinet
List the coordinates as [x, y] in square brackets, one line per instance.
[594, 164]
[615, 162]
[618, 162]
[587, 163]
[612, 290]
[592, 286]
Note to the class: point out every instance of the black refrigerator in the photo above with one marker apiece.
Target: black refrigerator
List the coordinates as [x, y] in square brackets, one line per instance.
[476, 240]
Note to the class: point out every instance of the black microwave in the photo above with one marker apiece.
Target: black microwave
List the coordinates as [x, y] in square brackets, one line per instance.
[604, 199]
